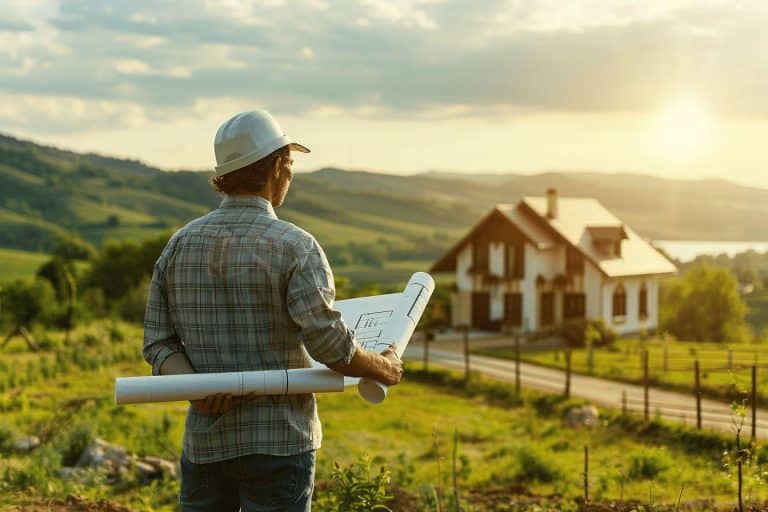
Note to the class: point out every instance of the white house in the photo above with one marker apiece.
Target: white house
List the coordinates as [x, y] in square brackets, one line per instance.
[547, 260]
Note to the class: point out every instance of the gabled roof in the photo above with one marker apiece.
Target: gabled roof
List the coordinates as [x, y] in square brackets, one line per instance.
[575, 218]
[534, 234]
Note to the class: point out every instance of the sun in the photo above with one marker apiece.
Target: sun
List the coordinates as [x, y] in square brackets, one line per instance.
[685, 128]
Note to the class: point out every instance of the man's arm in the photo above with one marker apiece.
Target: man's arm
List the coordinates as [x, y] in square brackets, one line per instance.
[386, 367]
[310, 296]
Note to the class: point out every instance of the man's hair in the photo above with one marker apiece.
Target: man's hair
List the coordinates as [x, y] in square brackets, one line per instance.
[250, 179]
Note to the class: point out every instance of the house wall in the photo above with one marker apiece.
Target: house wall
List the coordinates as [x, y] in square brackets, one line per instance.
[496, 268]
[632, 322]
[593, 283]
[463, 262]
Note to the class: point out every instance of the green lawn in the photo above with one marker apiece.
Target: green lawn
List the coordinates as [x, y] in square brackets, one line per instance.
[504, 446]
[623, 361]
[16, 264]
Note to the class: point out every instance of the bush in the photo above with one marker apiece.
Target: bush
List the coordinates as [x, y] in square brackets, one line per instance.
[536, 465]
[647, 465]
[6, 438]
[357, 488]
[76, 441]
[576, 332]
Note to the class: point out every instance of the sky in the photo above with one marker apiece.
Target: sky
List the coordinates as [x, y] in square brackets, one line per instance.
[675, 88]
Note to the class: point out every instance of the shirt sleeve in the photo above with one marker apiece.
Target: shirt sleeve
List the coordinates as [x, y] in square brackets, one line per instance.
[160, 338]
[310, 297]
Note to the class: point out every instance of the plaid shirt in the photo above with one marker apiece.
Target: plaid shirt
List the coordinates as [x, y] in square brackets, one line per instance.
[236, 290]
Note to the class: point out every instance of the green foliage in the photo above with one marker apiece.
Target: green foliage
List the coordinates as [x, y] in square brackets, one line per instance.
[704, 305]
[357, 488]
[576, 332]
[537, 465]
[7, 435]
[72, 248]
[25, 303]
[74, 442]
[647, 464]
[122, 266]
[133, 305]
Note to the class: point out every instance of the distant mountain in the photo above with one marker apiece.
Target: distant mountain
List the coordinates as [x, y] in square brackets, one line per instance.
[46, 192]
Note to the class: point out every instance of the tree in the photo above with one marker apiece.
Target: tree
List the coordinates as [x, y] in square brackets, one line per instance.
[69, 248]
[24, 304]
[704, 305]
[121, 266]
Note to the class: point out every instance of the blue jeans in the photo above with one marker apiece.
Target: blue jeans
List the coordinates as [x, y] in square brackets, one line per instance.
[254, 483]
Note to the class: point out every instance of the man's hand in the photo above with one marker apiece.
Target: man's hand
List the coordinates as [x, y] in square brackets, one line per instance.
[214, 404]
[393, 369]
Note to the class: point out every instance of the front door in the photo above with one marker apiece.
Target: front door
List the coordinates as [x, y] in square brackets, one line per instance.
[481, 310]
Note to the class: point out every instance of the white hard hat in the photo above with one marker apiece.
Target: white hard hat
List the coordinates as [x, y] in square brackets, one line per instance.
[248, 137]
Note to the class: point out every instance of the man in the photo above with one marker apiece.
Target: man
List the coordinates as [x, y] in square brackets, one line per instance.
[236, 290]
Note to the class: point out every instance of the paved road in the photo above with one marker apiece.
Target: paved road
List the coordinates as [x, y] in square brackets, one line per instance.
[668, 404]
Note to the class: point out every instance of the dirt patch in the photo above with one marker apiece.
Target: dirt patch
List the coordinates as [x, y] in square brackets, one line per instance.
[71, 503]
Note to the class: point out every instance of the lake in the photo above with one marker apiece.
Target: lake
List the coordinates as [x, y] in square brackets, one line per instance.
[686, 250]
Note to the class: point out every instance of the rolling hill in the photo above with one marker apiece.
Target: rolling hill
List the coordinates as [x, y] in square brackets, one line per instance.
[358, 216]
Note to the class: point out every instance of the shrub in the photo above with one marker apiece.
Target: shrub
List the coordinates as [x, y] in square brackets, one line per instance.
[6, 438]
[357, 488]
[76, 441]
[647, 465]
[536, 465]
[575, 333]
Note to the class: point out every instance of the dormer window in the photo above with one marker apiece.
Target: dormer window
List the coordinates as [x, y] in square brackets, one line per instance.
[607, 239]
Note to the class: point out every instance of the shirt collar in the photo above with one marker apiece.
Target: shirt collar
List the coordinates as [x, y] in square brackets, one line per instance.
[244, 201]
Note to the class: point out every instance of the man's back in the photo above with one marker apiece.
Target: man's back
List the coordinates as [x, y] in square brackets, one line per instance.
[243, 290]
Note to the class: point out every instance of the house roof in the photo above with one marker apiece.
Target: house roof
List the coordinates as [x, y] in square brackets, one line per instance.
[581, 219]
[534, 234]
[538, 236]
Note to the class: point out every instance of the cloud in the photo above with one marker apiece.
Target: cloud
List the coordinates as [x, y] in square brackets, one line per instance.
[400, 58]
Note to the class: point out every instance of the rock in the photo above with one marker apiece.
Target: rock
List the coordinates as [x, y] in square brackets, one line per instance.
[160, 467]
[104, 455]
[67, 473]
[26, 443]
[583, 416]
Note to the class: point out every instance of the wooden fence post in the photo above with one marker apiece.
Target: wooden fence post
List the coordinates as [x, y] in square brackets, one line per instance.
[517, 364]
[754, 402]
[568, 373]
[586, 475]
[666, 357]
[624, 402]
[730, 359]
[697, 391]
[466, 352]
[427, 334]
[646, 384]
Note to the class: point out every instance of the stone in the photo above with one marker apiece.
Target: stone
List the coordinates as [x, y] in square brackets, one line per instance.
[101, 454]
[582, 416]
[26, 443]
[161, 466]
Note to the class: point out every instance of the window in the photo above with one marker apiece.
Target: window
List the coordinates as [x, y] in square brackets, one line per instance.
[513, 309]
[479, 257]
[619, 303]
[574, 261]
[547, 309]
[515, 261]
[643, 302]
[574, 305]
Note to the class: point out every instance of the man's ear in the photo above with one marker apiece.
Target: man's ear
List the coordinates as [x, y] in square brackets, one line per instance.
[276, 168]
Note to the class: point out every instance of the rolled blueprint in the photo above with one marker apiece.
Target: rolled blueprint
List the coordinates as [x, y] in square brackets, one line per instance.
[399, 329]
[194, 386]
[377, 321]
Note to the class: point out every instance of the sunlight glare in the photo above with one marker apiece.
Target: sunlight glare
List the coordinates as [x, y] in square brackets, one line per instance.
[685, 128]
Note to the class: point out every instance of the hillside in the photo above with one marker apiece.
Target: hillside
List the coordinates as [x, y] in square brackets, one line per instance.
[360, 217]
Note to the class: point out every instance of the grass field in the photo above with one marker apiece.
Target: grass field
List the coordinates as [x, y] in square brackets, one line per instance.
[507, 449]
[721, 377]
[16, 264]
